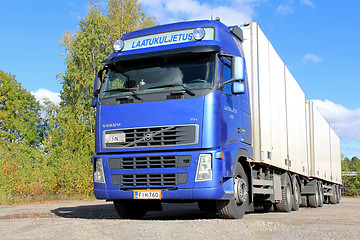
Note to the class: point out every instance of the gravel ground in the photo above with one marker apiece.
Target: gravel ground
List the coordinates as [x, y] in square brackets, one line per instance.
[98, 219]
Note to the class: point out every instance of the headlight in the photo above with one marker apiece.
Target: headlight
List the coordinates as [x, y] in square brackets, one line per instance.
[199, 34]
[99, 176]
[204, 168]
[118, 45]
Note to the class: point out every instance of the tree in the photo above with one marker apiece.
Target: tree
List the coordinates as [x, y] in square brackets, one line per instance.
[351, 183]
[21, 134]
[20, 120]
[70, 142]
[125, 16]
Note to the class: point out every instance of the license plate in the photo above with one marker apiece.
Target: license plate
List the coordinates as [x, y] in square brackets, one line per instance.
[147, 194]
[115, 138]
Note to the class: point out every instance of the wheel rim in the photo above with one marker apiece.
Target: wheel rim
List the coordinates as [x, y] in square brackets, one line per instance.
[241, 190]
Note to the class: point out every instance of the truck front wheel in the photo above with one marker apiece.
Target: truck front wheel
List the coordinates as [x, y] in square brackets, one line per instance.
[236, 207]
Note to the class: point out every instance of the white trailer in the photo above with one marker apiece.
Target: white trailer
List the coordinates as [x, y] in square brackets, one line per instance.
[293, 144]
[325, 156]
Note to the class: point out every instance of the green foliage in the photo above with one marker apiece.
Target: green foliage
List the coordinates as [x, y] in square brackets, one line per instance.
[351, 183]
[71, 143]
[20, 121]
[21, 133]
[51, 156]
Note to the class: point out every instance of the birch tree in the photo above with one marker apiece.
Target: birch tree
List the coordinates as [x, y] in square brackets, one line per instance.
[70, 142]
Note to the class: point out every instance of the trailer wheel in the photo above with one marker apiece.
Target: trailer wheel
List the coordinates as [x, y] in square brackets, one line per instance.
[314, 199]
[129, 209]
[297, 194]
[338, 193]
[269, 207]
[236, 207]
[304, 202]
[285, 204]
[321, 194]
[333, 197]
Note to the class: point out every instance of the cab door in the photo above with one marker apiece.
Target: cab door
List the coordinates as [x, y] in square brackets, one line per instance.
[235, 109]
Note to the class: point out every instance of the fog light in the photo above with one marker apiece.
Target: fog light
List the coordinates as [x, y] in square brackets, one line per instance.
[99, 176]
[204, 168]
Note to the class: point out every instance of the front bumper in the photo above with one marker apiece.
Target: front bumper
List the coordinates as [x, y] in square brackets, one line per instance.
[181, 194]
[181, 190]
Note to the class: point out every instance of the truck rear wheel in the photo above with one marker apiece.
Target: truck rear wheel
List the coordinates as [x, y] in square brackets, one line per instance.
[285, 205]
[236, 207]
[130, 209]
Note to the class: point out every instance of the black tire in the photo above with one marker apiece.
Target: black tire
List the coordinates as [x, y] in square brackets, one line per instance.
[269, 207]
[129, 209]
[304, 201]
[314, 199]
[286, 203]
[337, 194]
[333, 197]
[236, 207]
[296, 193]
[321, 194]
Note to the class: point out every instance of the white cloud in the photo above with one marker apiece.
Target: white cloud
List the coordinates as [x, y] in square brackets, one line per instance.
[284, 9]
[42, 94]
[312, 58]
[344, 121]
[230, 12]
[308, 3]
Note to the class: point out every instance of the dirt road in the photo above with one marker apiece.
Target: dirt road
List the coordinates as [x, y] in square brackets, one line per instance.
[98, 220]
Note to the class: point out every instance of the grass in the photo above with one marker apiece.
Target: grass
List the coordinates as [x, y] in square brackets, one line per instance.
[6, 199]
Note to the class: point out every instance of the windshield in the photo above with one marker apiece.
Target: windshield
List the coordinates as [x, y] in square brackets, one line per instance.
[159, 74]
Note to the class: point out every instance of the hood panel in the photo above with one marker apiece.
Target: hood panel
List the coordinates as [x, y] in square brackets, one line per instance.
[145, 118]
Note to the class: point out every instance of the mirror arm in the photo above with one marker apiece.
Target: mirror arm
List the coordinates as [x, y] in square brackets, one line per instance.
[229, 81]
[221, 85]
[222, 54]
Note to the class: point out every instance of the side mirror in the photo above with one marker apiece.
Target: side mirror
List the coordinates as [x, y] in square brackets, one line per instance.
[97, 83]
[97, 86]
[94, 102]
[238, 88]
[238, 68]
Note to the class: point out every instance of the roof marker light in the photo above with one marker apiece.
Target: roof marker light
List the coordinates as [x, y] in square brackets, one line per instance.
[118, 45]
[199, 34]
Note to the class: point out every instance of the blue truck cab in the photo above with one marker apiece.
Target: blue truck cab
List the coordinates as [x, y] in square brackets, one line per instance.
[173, 120]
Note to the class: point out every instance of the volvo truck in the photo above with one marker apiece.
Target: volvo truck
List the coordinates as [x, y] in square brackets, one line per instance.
[202, 112]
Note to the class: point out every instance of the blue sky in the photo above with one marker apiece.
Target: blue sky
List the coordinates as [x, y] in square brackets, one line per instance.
[317, 40]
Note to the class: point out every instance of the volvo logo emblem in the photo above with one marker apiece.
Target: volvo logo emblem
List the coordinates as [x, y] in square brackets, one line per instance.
[148, 137]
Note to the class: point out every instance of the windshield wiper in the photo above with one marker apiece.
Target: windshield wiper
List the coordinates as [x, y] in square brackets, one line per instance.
[188, 91]
[134, 94]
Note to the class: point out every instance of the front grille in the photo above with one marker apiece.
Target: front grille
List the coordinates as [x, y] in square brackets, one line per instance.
[163, 136]
[149, 162]
[133, 180]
